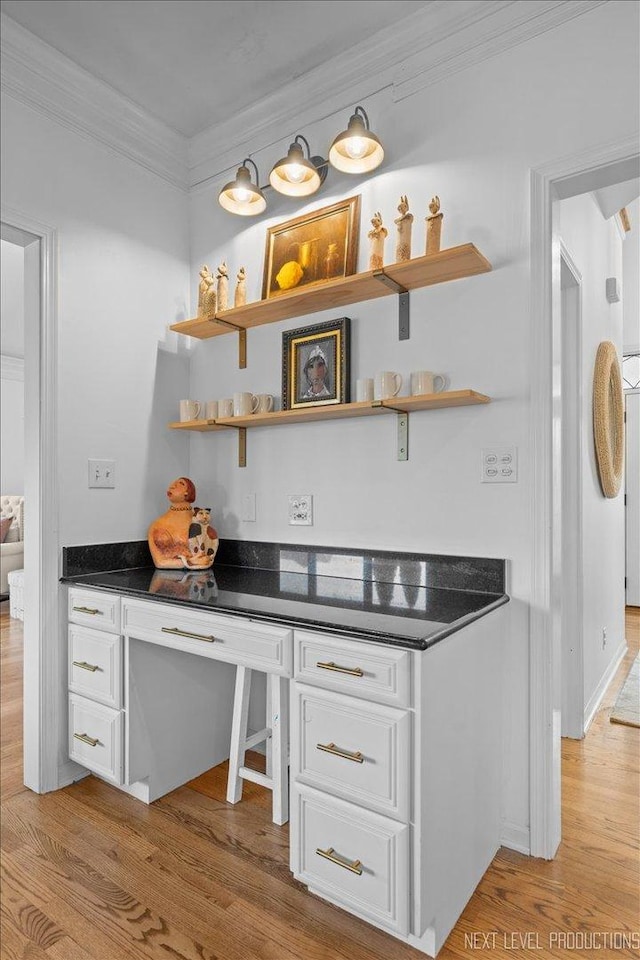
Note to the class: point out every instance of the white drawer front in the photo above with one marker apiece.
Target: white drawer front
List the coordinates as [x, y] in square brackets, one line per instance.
[235, 640]
[101, 611]
[95, 737]
[374, 742]
[368, 670]
[376, 847]
[95, 665]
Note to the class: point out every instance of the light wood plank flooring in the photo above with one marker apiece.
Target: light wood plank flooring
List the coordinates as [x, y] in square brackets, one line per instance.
[90, 874]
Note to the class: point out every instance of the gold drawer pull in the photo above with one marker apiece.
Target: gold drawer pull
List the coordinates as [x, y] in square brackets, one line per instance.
[184, 633]
[87, 739]
[352, 671]
[337, 752]
[91, 667]
[92, 610]
[354, 866]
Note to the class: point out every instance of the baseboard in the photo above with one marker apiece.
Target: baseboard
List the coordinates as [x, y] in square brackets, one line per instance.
[596, 697]
[515, 837]
[69, 773]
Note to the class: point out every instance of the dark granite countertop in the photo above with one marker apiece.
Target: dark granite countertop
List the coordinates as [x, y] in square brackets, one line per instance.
[373, 595]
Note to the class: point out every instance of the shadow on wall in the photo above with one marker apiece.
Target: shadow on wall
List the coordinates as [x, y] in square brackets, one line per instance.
[167, 450]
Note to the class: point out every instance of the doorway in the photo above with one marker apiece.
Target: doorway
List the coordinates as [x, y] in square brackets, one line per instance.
[569, 177]
[43, 714]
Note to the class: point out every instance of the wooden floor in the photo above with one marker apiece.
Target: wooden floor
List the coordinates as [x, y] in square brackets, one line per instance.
[91, 874]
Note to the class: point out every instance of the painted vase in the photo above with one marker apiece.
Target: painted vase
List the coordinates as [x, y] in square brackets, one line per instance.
[182, 538]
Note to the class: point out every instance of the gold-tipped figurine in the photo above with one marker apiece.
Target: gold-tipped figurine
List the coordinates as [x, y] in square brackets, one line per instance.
[240, 296]
[377, 237]
[404, 223]
[434, 226]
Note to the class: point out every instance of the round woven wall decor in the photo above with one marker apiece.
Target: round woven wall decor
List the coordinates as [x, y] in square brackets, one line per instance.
[608, 418]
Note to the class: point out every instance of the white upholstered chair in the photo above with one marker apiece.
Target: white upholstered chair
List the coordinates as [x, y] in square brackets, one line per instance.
[12, 550]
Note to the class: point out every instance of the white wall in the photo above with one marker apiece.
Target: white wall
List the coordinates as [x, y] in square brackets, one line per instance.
[595, 247]
[473, 140]
[11, 369]
[123, 276]
[631, 281]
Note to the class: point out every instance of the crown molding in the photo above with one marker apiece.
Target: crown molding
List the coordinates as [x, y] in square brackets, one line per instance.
[483, 38]
[38, 75]
[11, 368]
[424, 48]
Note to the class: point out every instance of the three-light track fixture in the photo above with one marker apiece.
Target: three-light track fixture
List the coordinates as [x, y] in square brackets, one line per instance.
[355, 150]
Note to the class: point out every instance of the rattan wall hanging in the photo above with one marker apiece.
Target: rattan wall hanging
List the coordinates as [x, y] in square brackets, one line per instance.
[608, 418]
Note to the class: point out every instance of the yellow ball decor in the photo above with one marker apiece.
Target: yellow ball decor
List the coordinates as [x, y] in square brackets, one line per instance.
[290, 275]
[608, 419]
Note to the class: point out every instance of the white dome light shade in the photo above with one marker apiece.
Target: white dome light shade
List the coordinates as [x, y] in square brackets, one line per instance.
[356, 149]
[295, 175]
[241, 196]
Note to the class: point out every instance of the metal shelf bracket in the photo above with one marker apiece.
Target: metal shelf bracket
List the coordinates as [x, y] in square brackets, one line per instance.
[402, 420]
[242, 340]
[403, 302]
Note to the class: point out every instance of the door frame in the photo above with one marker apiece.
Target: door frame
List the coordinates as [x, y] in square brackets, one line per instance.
[44, 721]
[568, 176]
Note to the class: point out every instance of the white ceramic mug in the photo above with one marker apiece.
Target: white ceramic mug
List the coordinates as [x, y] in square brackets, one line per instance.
[211, 410]
[225, 408]
[423, 381]
[189, 410]
[364, 389]
[244, 404]
[265, 403]
[387, 384]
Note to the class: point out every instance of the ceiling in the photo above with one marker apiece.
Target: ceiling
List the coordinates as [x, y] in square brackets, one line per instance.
[195, 63]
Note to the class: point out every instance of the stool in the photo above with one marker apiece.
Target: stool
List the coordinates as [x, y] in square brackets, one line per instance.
[15, 579]
[276, 736]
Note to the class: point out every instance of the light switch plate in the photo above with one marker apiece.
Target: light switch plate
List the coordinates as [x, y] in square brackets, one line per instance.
[499, 464]
[102, 473]
[301, 510]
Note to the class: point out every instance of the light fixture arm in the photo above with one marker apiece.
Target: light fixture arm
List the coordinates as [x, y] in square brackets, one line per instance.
[304, 140]
[361, 110]
[249, 160]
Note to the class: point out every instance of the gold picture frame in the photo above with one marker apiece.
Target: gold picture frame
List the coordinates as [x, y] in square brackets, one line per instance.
[312, 249]
[316, 365]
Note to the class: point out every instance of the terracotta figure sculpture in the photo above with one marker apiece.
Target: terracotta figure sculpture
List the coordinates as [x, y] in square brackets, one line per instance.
[434, 226]
[223, 286]
[377, 237]
[404, 223]
[240, 297]
[206, 288]
[182, 538]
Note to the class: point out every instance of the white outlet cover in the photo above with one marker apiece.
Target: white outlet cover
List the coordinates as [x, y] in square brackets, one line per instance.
[249, 508]
[301, 510]
[499, 464]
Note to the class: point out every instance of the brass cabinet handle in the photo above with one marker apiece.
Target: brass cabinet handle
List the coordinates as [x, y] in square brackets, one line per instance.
[184, 633]
[92, 610]
[92, 667]
[337, 752]
[93, 742]
[355, 866]
[351, 671]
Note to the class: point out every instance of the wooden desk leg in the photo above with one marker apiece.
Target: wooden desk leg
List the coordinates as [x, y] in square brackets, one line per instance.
[280, 748]
[238, 734]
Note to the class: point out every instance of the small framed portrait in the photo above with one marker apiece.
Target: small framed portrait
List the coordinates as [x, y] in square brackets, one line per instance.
[312, 249]
[315, 365]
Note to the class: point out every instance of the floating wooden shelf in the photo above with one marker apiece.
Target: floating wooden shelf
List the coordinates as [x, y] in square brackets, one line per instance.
[452, 264]
[401, 406]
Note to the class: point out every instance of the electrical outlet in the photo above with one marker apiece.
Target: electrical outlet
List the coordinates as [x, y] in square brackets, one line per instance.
[301, 510]
[249, 508]
[499, 464]
[102, 473]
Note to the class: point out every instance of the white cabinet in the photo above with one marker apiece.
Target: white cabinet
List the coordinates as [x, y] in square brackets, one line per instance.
[95, 737]
[96, 720]
[357, 858]
[352, 749]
